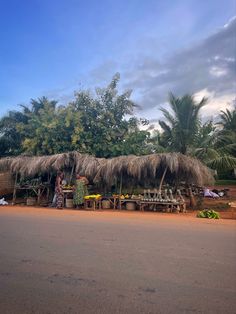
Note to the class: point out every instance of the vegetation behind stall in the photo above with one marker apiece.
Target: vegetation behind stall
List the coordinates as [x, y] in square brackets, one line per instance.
[108, 175]
[115, 147]
[104, 125]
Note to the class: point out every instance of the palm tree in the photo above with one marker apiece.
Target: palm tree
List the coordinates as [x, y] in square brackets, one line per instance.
[182, 123]
[228, 119]
[226, 142]
[217, 147]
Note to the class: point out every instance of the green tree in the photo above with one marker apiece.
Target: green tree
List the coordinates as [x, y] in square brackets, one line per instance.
[10, 138]
[49, 129]
[183, 131]
[228, 120]
[102, 125]
[181, 124]
[225, 143]
[107, 127]
[205, 144]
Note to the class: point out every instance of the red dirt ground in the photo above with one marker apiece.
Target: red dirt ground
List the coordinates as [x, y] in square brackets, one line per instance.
[229, 213]
[68, 261]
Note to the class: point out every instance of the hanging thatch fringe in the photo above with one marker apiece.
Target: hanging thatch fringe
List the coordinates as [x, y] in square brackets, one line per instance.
[151, 167]
[141, 169]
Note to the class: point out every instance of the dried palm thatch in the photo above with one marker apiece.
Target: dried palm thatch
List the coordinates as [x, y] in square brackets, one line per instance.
[139, 169]
[150, 168]
[88, 165]
[30, 166]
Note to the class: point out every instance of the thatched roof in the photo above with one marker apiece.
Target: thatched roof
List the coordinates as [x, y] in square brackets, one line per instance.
[139, 169]
[150, 168]
[31, 166]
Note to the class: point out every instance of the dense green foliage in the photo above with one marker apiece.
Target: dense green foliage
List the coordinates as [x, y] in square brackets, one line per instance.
[104, 127]
[103, 124]
[181, 125]
[184, 131]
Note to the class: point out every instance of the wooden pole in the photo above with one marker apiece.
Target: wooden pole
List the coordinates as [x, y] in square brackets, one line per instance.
[72, 172]
[121, 178]
[191, 198]
[14, 191]
[162, 179]
[116, 189]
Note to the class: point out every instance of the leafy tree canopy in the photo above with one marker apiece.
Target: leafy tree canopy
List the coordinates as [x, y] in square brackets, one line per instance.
[102, 125]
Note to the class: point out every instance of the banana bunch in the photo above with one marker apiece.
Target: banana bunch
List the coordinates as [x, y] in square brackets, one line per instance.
[92, 196]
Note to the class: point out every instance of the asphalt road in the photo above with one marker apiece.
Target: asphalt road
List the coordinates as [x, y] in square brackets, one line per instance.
[88, 262]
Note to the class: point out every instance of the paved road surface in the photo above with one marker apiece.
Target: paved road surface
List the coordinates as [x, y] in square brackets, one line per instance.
[89, 262]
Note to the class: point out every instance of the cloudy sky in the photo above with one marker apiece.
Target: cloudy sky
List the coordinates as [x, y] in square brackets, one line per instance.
[55, 47]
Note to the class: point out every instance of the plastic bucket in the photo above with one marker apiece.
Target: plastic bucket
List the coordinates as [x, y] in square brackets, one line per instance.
[30, 201]
[69, 203]
[130, 205]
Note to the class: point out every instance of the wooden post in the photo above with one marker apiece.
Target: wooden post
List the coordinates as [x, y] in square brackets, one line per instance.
[38, 196]
[192, 198]
[162, 179]
[116, 189]
[14, 191]
[72, 171]
[48, 187]
[121, 178]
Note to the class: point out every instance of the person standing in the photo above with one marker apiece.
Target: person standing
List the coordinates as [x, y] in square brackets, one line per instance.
[81, 190]
[58, 190]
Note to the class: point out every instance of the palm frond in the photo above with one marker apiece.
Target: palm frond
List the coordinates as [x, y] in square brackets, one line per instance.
[224, 162]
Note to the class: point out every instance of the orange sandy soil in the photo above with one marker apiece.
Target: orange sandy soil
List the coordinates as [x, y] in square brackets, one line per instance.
[110, 214]
[104, 262]
[222, 207]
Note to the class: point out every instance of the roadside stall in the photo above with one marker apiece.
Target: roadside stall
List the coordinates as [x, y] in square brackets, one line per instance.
[156, 178]
[34, 188]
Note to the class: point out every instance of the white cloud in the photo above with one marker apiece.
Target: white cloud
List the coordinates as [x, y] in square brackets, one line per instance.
[230, 21]
[218, 71]
[215, 103]
[207, 66]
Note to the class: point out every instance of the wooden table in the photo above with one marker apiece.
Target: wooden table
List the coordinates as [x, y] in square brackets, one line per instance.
[114, 201]
[93, 204]
[170, 205]
[37, 189]
[66, 192]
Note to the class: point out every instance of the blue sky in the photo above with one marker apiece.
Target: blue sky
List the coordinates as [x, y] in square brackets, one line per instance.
[54, 47]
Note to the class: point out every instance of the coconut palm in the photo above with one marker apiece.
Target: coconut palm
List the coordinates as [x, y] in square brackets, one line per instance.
[217, 147]
[226, 142]
[228, 119]
[227, 133]
[181, 122]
